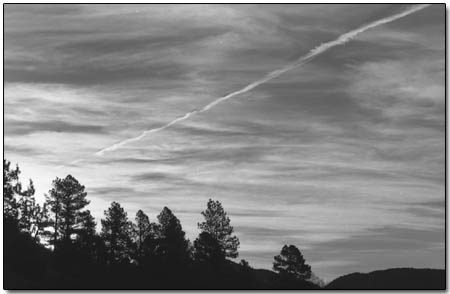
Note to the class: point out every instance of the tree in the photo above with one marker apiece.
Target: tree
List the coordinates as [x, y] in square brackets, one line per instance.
[217, 224]
[142, 230]
[207, 249]
[11, 186]
[16, 201]
[244, 263]
[173, 245]
[85, 244]
[290, 263]
[19, 206]
[86, 226]
[27, 206]
[148, 250]
[66, 199]
[116, 233]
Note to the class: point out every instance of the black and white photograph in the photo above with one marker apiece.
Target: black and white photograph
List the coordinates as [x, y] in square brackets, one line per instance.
[215, 146]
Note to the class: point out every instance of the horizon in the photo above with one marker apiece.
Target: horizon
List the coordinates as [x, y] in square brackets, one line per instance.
[342, 157]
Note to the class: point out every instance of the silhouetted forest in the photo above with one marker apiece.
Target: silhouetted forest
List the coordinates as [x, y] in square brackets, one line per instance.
[55, 245]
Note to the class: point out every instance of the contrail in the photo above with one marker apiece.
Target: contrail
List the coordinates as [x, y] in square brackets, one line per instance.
[341, 40]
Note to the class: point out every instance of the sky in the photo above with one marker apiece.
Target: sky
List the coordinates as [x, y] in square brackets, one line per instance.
[343, 157]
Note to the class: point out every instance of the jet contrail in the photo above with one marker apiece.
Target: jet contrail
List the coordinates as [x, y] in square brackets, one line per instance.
[341, 40]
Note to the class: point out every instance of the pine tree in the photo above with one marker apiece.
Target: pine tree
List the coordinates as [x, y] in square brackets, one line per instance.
[27, 205]
[116, 233]
[17, 203]
[86, 236]
[142, 230]
[66, 199]
[173, 245]
[217, 224]
[19, 206]
[86, 225]
[290, 263]
[11, 186]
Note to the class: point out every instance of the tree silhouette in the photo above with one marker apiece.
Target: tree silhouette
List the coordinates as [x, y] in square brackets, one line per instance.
[207, 249]
[173, 245]
[11, 186]
[116, 233]
[17, 203]
[86, 226]
[66, 199]
[85, 243]
[244, 263]
[217, 224]
[19, 206]
[26, 205]
[290, 263]
[142, 230]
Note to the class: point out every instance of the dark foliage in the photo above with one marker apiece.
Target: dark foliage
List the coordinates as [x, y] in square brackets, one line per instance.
[207, 249]
[291, 264]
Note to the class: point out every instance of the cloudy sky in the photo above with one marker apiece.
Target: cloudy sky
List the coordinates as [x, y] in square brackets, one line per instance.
[342, 157]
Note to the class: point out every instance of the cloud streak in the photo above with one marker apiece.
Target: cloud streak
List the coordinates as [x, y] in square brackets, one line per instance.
[341, 40]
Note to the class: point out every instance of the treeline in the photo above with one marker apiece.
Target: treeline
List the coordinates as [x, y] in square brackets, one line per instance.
[56, 246]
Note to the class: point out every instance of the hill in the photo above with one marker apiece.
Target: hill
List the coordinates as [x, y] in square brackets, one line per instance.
[392, 279]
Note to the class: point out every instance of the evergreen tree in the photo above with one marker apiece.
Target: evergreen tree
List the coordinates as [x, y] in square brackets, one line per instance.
[217, 224]
[19, 206]
[11, 186]
[173, 245]
[17, 203]
[86, 226]
[142, 230]
[26, 205]
[151, 245]
[290, 263]
[66, 199]
[116, 233]
[86, 237]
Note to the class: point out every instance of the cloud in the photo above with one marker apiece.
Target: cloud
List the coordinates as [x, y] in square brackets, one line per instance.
[387, 238]
[341, 40]
[378, 248]
[111, 190]
[24, 150]
[19, 128]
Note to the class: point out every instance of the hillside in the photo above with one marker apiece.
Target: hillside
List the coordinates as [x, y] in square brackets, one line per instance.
[390, 279]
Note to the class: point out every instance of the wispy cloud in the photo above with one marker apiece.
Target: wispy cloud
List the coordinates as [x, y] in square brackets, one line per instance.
[273, 74]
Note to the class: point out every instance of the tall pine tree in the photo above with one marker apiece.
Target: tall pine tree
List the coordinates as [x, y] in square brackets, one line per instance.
[66, 200]
[20, 208]
[141, 230]
[116, 233]
[173, 245]
[18, 204]
[217, 224]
